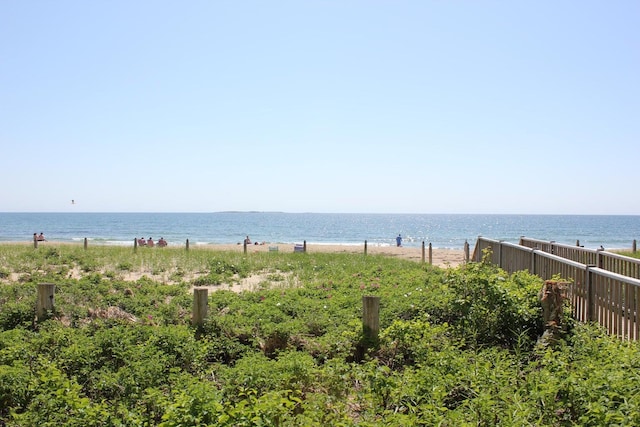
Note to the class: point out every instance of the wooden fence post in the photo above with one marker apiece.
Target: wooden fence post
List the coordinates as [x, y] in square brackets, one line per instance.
[430, 254]
[423, 251]
[532, 267]
[244, 246]
[35, 241]
[187, 245]
[591, 295]
[135, 244]
[304, 245]
[599, 258]
[44, 304]
[578, 243]
[466, 251]
[634, 247]
[85, 243]
[370, 319]
[200, 306]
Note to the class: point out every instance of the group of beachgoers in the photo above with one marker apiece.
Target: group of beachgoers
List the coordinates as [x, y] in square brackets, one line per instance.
[247, 241]
[149, 242]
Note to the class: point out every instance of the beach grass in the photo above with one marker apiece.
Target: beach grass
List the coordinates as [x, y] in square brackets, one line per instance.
[456, 346]
[630, 254]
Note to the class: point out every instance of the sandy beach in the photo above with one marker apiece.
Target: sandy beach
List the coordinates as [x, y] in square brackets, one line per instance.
[440, 257]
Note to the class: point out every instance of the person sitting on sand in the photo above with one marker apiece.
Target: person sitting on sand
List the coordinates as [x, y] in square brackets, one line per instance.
[162, 243]
[41, 238]
[142, 242]
[150, 242]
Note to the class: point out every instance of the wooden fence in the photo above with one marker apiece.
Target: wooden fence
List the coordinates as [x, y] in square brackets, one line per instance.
[596, 294]
[609, 261]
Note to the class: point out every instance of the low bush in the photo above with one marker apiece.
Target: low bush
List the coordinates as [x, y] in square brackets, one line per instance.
[456, 346]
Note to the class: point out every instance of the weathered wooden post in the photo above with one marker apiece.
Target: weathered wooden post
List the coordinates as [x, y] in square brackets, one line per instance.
[365, 247]
[422, 252]
[304, 245]
[187, 244]
[135, 244]
[85, 243]
[35, 241]
[370, 319]
[430, 254]
[634, 247]
[599, 257]
[552, 296]
[200, 306]
[578, 243]
[466, 251]
[244, 246]
[44, 304]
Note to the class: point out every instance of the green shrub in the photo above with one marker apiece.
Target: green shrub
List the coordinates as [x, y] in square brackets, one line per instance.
[456, 346]
[17, 314]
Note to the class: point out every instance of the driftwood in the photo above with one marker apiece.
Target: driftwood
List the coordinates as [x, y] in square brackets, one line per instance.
[111, 313]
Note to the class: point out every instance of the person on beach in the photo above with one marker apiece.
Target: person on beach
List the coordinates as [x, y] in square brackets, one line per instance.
[399, 241]
[41, 237]
[142, 242]
[150, 242]
[162, 243]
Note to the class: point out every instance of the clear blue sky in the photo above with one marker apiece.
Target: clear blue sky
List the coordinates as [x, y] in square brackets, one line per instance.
[320, 106]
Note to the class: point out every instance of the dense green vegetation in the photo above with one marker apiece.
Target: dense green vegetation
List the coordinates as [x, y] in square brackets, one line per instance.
[457, 346]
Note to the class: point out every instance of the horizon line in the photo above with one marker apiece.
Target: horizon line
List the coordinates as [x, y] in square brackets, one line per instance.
[316, 213]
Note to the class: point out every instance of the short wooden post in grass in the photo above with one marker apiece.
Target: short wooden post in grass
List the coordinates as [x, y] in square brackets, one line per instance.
[35, 241]
[304, 245]
[44, 305]
[430, 254]
[466, 251]
[423, 251]
[365, 247]
[244, 246]
[370, 319]
[187, 244]
[634, 247]
[85, 243]
[200, 306]
[135, 244]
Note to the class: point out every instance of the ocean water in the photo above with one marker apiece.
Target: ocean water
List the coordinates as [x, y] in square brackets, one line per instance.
[442, 231]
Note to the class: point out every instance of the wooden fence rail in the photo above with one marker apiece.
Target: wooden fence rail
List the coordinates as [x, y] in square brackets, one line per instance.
[598, 295]
[609, 261]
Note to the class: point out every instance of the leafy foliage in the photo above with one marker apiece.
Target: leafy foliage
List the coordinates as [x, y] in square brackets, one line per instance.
[456, 346]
